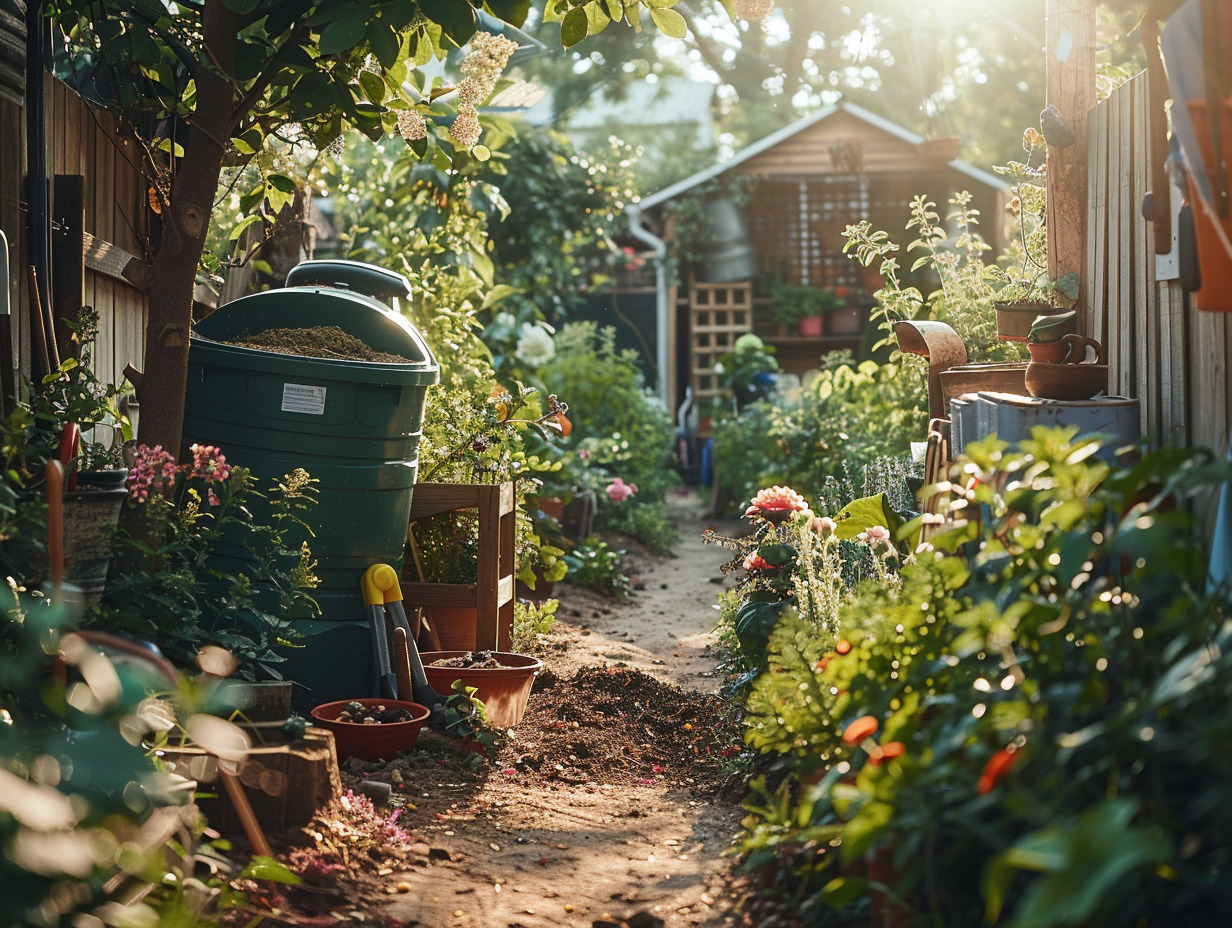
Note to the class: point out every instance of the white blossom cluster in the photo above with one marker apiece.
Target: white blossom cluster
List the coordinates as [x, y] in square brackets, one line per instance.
[483, 66]
[465, 128]
[412, 126]
[535, 346]
[754, 9]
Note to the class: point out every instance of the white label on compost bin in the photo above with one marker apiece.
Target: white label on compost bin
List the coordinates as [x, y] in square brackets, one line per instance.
[299, 397]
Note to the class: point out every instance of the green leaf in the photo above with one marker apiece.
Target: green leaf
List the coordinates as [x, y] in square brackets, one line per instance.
[574, 27]
[513, 12]
[455, 17]
[373, 86]
[242, 225]
[863, 830]
[282, 182]
[481, 153]
[266, 868]
[670, 23]
[384, 44]
[862, 514]
[615, 9]
[1069, 285]
[777, 555]
[343, 34]
[596, 18]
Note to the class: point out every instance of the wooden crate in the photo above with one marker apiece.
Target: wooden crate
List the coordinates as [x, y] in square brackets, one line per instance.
[491, 595]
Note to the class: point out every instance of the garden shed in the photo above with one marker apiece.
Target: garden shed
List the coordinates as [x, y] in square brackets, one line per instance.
[765, 228]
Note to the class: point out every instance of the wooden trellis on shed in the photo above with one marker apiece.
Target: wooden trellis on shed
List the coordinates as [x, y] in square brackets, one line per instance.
[718, 315]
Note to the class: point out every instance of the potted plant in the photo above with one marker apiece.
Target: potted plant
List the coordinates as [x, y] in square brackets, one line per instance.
[501, 680]
[746, 370]
[1023, 291]
[76, 417]
[372, 729]
[805, 307]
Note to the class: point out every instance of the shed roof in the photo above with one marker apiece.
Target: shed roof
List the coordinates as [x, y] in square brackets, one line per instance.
[788, 132]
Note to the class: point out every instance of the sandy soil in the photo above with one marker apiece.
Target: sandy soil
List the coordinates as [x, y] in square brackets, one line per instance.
[615, 799]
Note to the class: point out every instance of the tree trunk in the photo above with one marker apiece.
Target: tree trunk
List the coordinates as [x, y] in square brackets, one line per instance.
[185, 221]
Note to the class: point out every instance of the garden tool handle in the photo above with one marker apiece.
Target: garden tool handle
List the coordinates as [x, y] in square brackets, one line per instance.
[70, 438]
[375, 582]
[55, 526]
[402, 664]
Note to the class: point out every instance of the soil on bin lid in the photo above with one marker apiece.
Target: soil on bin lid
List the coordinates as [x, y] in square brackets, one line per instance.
[322, 341]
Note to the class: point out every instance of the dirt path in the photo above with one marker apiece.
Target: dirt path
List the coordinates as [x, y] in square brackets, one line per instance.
[614, 798]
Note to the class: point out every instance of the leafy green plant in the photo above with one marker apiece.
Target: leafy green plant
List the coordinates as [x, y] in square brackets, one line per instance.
[531, 621]
[1045, 712]
[596, 565]
[623, 429]
[198, 567]
[793, 302]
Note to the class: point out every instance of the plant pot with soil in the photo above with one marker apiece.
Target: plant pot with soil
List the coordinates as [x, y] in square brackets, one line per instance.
[372, 729]
[502, 680]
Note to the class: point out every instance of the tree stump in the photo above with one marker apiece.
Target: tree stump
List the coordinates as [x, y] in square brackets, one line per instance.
[286, 784]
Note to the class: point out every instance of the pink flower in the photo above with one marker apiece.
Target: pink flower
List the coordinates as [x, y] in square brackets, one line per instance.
[875, 535]
[823, 525]
[209, 464]
[153, 470]
[776, 499]
[618, 491]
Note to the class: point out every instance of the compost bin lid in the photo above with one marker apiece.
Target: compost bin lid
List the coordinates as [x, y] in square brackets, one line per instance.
[358, 315]
[350, 275]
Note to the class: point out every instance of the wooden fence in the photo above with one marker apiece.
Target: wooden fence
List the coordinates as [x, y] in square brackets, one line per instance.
[1171, 357]
[84, 142]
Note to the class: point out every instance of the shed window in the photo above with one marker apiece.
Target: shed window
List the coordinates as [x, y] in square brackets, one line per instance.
[797, 227]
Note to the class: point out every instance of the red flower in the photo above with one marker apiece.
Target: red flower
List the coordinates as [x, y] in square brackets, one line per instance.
[863, 727]
[757, 562]
[998, 766]
[843, 646]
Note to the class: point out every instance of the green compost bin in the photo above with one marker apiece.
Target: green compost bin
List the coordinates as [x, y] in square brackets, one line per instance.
[353, 425]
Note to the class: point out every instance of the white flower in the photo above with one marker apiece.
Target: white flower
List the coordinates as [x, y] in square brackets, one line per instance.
[504, 320]
[535, 346]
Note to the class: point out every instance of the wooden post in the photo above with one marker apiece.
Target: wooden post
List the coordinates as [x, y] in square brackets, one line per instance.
[68, 284]
[1070, 51]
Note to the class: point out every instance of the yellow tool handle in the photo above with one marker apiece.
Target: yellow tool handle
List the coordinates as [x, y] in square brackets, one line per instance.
[380, 585]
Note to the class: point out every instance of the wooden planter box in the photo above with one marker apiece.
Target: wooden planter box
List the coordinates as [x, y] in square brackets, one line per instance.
[491, 595]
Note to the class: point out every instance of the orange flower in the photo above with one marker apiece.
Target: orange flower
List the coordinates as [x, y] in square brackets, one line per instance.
[821, 665]
[863, 727]
[998, 766]
[889, 751]
[843, 646]
[565, 425]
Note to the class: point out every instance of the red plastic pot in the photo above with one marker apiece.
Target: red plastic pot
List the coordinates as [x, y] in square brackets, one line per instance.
[811, 326]
[372, 742]
[505, 690]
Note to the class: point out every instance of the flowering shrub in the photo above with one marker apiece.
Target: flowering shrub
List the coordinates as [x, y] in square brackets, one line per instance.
[1022, 733]
[170, 586]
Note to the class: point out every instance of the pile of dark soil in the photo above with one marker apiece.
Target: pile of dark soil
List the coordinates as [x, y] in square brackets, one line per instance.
[620, 726]
[323, 341]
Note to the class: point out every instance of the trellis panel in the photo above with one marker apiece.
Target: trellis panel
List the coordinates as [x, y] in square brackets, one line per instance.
[718, 315]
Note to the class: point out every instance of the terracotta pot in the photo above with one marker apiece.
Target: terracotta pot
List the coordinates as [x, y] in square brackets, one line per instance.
[505, 690]
[1066, 381]
[1050, 352]
[456, 626]
[552, 507]
[372, 742]
[1014, 319]
[811, 326]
